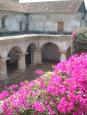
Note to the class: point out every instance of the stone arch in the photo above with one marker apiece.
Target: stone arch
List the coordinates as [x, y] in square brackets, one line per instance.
[28, 43]
[13, 55]
[50, 53]
[29, 55]
[42, 44]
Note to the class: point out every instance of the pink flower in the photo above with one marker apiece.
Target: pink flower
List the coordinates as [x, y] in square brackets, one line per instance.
[64, 106]
[4, 95]
[38, 106]
[13, 86]
[63, 91]
[39, 72]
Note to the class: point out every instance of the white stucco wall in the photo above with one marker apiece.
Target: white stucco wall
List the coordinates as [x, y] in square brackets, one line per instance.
[41, 22]
[48, 21]
[12, 21]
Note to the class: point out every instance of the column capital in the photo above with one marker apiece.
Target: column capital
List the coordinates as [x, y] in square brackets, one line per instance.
[63, 56]
[22, 54]
[5, 59]
[63, 51]
[38, 49]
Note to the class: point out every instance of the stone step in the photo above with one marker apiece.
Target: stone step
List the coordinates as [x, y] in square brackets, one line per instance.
[15, 74]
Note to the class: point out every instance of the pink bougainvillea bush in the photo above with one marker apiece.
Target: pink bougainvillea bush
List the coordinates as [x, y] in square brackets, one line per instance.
[61, 92]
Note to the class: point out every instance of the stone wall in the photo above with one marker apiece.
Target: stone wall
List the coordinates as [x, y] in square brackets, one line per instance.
[12, 21]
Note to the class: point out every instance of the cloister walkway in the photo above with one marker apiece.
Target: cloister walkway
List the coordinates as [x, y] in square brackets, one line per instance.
[20, 51]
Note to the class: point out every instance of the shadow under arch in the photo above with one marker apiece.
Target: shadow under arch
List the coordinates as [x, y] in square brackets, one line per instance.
[50, 53]
[29, 55]
[12, 62]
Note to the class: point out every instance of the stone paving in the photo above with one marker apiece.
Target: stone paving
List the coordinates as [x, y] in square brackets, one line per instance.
[29, 74]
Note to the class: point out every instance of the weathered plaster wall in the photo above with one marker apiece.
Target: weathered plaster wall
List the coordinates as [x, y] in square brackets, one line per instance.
[12, 21]
[48, 22]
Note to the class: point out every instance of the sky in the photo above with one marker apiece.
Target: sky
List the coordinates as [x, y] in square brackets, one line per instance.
[35, 0]
[23, 1]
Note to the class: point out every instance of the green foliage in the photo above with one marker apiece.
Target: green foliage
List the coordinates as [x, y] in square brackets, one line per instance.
[4, 82]
[27, 112]
[80, 43]
[81, 37]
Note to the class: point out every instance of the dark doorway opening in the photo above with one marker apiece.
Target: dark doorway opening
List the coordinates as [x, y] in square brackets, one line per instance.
[29, 55]
[12, 62]
[50, 53]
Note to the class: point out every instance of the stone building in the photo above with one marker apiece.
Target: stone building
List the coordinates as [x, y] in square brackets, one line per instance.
[35, 33]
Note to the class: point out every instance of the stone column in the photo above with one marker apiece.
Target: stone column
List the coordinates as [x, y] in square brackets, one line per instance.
[21, 61]
[63, 55]
[4, 67]
[37, 56]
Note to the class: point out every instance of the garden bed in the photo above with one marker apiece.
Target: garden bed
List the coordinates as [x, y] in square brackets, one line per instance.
[61, 92]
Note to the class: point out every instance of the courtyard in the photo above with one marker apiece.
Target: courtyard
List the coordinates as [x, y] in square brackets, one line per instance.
[24, 50]
[43, 58]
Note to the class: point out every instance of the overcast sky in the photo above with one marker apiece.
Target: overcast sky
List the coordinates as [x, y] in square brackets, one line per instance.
[44, 0]
[36, 0]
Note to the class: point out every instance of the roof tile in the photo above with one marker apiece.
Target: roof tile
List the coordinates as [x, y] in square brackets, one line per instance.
[69, 6]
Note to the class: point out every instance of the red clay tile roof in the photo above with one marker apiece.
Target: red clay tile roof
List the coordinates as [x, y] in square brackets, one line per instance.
[69, 6]
[10, 1]
[9, 6]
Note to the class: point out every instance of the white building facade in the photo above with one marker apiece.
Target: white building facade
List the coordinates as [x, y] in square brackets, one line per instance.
[47, 29]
